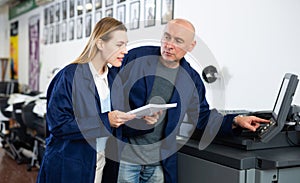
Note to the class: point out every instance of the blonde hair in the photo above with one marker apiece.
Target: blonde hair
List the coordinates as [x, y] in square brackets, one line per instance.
[102, 30]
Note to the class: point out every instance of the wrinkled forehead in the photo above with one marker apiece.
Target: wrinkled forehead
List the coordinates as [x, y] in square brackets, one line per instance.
[180, 30]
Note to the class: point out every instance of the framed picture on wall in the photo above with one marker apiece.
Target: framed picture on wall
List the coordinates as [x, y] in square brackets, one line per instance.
[98, 16]
[71, 29]
[109, 12]
[51, 14]
[166, 10]
[120, 1]
[134, 17]
[121, 13]
[45, 35]
[71, 8]
[108, 3]
[79, 28]
[79, 7]
[51, 34]
[57, 31]
[46, 16]
[88, 25]
[88, 6]
[150, 12]
[64, 9]
[57, 12]
[98, 4]
[64, 31]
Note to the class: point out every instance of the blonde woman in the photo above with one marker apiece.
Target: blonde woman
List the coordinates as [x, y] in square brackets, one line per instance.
[78, 109]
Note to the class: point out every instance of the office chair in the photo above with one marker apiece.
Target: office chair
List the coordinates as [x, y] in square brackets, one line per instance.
[7, 88]
[38, 130]
[19, 139]
[5, 125]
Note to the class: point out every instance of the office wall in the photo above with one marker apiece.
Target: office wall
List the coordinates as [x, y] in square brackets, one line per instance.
[254, 42]
[251, 42]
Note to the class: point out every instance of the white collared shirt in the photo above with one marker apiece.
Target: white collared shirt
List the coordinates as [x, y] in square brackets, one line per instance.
[101, 83]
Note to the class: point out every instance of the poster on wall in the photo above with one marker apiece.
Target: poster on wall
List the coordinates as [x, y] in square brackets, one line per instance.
[150, 12]
[14, 50]
[88, 25]
[121, 12]
[34, 57]
[134, 15]
[71, 29]
[166, 11]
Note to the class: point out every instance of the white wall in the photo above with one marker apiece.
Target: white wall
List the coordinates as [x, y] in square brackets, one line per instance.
[252, 43]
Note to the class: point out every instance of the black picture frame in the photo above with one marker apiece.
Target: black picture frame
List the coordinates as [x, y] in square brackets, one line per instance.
[120, 1]
[64, 31]
[88, 24]
[79, 7]
[51, 34]
[71, 8]
[150, 13]
[46, 16]
[121, 13]
[51, 14]
[167, 11]
[98, 4]
[71, 30]
[45, 35]
[109, 3]
[57, 32]
[109, 12]
[88, 6]
[79, 28]
[134, 17]
[64, 9]
[57, 12]
[98, 15]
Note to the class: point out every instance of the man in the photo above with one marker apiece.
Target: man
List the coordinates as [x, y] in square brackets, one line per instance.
[162, 75]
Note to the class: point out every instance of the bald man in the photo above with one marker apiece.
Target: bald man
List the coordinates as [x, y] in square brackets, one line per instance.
[153, 74]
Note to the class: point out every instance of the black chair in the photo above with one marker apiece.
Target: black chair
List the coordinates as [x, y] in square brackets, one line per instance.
[19, 139]
[4, 105]
[5, 125]
[8, 87]
[38, 130]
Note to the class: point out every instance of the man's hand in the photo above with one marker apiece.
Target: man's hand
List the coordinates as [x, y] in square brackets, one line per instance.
[249, 122]
[151, 120]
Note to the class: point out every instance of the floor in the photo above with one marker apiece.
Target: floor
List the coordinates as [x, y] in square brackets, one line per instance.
[11, 172]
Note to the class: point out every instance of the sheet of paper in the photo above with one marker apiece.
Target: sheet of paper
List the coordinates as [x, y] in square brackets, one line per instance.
[149, 109]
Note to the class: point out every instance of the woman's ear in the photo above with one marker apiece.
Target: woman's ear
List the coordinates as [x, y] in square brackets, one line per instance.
[99, 44]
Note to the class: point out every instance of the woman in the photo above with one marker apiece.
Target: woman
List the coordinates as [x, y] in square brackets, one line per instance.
[78, 105]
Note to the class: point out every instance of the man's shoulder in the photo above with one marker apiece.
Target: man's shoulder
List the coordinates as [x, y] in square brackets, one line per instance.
[189, 69]
[145, 50]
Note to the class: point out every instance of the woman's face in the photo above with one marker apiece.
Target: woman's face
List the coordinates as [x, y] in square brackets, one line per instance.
[114, 50]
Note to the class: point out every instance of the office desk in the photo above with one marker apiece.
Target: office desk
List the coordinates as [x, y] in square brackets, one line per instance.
[224, 164]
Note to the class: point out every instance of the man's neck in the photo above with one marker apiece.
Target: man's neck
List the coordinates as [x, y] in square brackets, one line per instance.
[169, 63]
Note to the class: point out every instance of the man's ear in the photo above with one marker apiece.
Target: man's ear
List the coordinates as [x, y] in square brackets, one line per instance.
[192, 46]
[99, 44]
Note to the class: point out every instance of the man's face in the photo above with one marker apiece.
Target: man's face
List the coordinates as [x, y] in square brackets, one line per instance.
[177, 40]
